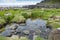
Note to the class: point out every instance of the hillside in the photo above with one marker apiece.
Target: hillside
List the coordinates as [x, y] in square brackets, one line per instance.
[48, 4]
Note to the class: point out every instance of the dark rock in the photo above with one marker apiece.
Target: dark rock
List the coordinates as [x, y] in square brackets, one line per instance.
[7, 33]
[49, 26]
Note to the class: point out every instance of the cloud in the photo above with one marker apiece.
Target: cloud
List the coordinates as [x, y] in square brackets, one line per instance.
[6, 1]
[18, 2]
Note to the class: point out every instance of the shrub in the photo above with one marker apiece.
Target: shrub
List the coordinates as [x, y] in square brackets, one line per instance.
[2, 21]
[8, 16]
[18, 19]
[35, 15]
[25, 15]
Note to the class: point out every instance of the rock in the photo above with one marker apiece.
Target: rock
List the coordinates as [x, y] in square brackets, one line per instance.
[20, 28]
[36, 24]
[11, 27]
[45, 34]
[26, 31]
[55, 34]
[49, 26]
[23, 24]
[7, 33]
[15, 37]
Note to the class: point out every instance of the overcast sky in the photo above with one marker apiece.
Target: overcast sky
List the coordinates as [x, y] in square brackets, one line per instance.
[18, 2]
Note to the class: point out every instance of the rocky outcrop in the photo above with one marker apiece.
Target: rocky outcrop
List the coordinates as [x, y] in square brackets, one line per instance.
[44, 4]
[55, 34]
[47, 5]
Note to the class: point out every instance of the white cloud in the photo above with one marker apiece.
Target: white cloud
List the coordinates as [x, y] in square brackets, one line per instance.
[6, 1]
[20, 3]
[14, 2]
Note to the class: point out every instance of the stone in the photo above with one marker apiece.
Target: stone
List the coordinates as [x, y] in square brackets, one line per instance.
[26, 31]
[45, 34]
[15, 37]
[20, 28]
[7, 33]
[11, 27]
[55, 34]
[36, 24]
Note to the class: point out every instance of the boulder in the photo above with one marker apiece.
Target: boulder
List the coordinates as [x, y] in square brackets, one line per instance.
[11, 27]
[26, 31]
[20, 28]
[7, 33]
[55, 34]
[44, 34]
[36, 24]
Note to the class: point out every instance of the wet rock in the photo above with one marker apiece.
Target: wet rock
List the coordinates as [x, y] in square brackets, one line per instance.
[7, 33]
[14, 37]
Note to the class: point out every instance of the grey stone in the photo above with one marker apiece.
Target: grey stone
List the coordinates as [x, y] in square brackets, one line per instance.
[35, 24]
[45, 34]
[11, 27]
[7, 33]
[26, 31]
[20, 28]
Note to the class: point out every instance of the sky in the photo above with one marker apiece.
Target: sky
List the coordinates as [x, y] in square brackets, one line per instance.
[18, 2]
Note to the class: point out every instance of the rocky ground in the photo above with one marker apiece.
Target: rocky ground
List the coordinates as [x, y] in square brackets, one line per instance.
[29, 30]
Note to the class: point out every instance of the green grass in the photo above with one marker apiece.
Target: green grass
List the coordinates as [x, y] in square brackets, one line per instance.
[3, 38]
[39, 38]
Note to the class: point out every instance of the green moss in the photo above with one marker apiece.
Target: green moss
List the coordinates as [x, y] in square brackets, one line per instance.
[8, 16]
[56, 25]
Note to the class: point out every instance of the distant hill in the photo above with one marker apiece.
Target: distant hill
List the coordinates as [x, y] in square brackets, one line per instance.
[46, 4]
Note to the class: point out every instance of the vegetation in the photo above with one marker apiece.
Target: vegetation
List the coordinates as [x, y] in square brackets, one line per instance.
[38, 38]
[3, 38]
[52, 16]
